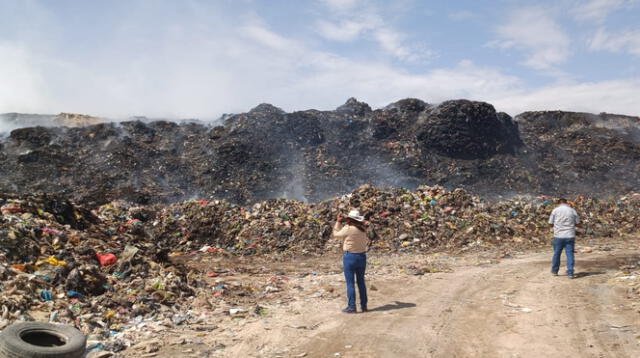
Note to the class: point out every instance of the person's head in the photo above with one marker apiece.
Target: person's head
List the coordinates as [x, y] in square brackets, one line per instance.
[350, 221]
[354, 218]
[562, 201]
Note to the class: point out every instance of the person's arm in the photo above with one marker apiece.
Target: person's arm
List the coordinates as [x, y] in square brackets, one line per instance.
[552, 217]
[339, 231]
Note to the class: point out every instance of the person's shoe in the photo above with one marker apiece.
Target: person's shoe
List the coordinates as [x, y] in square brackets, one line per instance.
[554, 274]
[571, 276]
[349, 310]
[364, 309]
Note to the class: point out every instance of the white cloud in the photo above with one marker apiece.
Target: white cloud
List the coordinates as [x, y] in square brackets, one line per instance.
[616, 96]
[211, 65]
[624, 41]
[344, 31]
[208, 76]
[268, 38]
[365, 22]
[391, 42]
[535, 32]
[380, 84]
[598, 10]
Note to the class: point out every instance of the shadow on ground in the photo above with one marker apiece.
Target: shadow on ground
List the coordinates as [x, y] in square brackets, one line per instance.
[590, 273]
[596, 265]
[393, 306]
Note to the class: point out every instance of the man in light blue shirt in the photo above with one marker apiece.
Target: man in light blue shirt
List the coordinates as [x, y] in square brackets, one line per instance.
[564, 220]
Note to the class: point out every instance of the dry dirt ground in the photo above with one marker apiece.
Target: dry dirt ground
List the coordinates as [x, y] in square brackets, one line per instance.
[470, 306]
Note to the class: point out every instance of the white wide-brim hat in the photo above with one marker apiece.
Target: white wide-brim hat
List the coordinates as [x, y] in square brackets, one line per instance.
[355, 215]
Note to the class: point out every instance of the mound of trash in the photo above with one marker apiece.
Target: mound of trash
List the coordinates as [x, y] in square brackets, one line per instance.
[110, 269]
[104, 268]
[468, 130]
[591, 153]
[81, 270]
[314, 155]
[428, 218]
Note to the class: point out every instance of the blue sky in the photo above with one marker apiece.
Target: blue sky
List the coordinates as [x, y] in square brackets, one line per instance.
[199, 59]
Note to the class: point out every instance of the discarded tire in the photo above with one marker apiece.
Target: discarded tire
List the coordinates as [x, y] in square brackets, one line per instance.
[41, 340]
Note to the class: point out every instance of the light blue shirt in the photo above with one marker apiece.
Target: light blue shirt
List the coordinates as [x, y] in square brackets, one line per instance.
[564, 219]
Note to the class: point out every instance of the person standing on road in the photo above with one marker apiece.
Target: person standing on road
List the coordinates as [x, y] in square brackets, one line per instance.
[564, 220]
[354, 258]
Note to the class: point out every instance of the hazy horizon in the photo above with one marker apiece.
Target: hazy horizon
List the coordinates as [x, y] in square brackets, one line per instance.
[201, 59]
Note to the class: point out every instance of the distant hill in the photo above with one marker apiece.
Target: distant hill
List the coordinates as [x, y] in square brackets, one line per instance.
[312, 155]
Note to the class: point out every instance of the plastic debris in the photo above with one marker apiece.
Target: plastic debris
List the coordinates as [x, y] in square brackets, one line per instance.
[46, 295]
[106, 259]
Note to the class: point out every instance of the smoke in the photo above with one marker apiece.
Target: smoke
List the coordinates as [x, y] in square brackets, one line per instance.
[5, 129]
[11, 121]
[295, 188]
[362, 168]
[624, 125]
[386, 174]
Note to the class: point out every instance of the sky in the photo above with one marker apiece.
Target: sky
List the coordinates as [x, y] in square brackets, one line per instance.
[201, 59]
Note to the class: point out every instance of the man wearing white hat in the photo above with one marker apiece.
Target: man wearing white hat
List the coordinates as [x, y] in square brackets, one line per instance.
[355, 256]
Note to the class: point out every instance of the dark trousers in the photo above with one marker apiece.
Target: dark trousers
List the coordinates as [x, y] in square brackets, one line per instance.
[354, 267]
[568, 245]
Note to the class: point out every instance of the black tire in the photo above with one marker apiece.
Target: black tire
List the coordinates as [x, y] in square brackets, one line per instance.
[41, 340]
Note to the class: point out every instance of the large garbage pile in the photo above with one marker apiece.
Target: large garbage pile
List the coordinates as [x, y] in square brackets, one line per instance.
[469, 130]
[63, 260]
[313, 155]
[105, 268]
[599, 151]
[427, 218]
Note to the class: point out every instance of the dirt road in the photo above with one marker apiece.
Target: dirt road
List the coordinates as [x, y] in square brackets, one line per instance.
[511, 309]
[495, 308]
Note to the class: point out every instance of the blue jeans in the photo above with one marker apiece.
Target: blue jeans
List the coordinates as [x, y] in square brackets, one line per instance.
[558, 245]
[355, 265]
